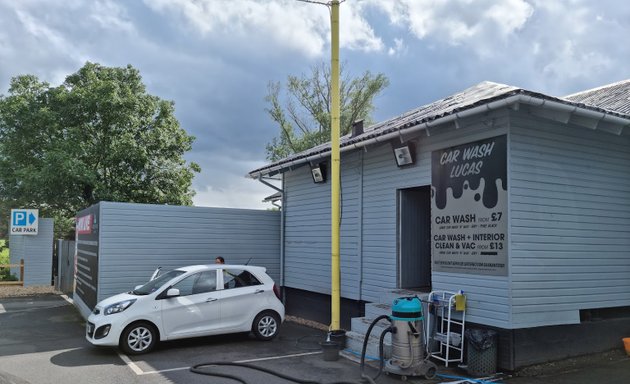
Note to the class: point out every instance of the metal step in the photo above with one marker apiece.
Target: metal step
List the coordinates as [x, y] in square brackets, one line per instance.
[360, 325]
[374, 310]
[354, 344]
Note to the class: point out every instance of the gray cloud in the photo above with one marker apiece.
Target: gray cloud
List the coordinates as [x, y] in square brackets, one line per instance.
[214, 58]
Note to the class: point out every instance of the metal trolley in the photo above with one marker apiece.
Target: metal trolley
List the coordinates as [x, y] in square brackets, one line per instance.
[445, 326]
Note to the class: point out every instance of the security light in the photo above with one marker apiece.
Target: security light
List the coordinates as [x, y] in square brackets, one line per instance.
[318, 171]
[404, 154]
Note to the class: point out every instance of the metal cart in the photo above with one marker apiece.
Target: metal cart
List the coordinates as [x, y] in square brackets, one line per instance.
[445, 327]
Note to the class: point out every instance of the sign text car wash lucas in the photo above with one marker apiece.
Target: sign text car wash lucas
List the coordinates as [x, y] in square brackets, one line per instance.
[24, 221]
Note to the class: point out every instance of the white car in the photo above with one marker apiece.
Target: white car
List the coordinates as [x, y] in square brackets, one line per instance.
[199, 300]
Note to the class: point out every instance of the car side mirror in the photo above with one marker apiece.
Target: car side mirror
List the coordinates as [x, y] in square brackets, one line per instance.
[172, 292]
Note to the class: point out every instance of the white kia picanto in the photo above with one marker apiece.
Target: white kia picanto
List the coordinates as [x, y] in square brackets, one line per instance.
[199, 300]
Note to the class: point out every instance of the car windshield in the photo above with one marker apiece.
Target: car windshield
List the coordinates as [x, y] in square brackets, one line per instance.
[156, 284]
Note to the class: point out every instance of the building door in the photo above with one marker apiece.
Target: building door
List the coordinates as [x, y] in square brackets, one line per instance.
[414, 238]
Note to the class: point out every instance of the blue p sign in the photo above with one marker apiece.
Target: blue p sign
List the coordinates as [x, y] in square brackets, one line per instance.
[24, 221]
[19, 218]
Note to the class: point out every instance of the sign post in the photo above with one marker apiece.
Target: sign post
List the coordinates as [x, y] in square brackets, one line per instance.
[24, 221]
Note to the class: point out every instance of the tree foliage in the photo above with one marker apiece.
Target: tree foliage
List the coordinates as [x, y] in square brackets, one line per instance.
[97, 137]
[304, 118]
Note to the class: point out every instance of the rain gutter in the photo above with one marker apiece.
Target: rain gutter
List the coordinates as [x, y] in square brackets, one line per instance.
[494, 105]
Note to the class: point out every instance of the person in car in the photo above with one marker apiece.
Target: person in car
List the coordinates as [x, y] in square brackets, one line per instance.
[219, 260]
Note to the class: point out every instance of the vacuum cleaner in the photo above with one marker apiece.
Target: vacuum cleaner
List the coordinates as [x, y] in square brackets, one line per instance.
[408, 357]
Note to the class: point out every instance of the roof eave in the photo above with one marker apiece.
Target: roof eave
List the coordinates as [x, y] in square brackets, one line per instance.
[537, 100]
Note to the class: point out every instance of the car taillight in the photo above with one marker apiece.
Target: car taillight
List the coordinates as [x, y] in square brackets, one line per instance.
[276, 290]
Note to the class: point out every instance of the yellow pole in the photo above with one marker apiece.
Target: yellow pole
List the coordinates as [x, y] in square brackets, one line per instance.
[335, 167]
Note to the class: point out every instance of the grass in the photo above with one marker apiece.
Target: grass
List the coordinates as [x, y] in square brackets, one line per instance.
[5, 273]
[4, 254]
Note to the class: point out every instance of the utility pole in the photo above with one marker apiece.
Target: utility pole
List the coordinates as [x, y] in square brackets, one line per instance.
[335, 166]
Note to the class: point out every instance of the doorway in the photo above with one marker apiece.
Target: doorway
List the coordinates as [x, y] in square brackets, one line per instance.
[414, 238]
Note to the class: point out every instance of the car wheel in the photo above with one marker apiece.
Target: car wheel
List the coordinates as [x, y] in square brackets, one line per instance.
[138, 338]
[266, 325]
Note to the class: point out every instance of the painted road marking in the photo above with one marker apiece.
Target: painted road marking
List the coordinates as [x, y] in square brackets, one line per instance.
[278, 357]
[134, 367]
[2, 310]
[131, 364]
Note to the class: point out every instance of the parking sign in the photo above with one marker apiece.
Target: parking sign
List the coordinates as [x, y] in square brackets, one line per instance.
[24, 221]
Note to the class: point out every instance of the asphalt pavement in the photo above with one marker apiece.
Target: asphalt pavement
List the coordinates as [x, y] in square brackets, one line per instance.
[42, 341]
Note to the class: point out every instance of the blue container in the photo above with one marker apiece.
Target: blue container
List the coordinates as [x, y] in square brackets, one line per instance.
[407, 309]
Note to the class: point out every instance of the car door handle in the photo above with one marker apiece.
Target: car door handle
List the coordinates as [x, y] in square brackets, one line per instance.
[211, 299]
[259, 291]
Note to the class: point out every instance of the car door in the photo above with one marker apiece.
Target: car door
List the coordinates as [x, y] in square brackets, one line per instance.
[196, 311]
[242, 298]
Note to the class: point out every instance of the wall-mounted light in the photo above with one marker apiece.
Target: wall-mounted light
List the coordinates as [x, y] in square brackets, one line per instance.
[318, 171]
[405, 154]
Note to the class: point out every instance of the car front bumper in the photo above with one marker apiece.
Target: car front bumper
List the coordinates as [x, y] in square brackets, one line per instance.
[103, 330]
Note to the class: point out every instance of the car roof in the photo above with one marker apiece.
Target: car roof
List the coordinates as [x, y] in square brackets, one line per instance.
[206, 267]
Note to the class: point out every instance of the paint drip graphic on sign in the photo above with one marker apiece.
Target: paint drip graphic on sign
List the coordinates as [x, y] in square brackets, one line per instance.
[468, 206]
[482, 163]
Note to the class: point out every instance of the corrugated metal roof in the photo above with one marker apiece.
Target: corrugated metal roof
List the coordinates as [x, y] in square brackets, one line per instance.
[478, 95]
[614, 97]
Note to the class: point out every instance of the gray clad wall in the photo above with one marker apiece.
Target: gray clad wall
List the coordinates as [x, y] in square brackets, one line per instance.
[369, 185]
[570, 221]
[307, 231]
[37, 252]
[569, 215]
[134, 239]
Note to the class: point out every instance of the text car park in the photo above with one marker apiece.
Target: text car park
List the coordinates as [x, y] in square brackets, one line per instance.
[192, 301]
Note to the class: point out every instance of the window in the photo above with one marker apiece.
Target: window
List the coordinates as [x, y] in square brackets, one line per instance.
[207, 282]
[198, 283]
[186, 286]
[156, 284]
[236, 278]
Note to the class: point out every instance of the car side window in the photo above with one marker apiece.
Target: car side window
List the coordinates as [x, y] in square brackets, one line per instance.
[186, 286]
[198, 283]
[236, 278]
[207, 282]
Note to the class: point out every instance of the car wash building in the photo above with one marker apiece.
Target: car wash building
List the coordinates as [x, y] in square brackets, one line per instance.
[517, 198]
[120, 245]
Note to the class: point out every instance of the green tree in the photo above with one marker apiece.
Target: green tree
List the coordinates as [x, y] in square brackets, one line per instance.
[304, 118]
[97, 137]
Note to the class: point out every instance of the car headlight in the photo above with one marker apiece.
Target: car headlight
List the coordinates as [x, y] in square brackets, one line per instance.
[118, 307]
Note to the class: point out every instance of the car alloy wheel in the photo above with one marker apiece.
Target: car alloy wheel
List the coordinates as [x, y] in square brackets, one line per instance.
[266, 326]
[138, 338]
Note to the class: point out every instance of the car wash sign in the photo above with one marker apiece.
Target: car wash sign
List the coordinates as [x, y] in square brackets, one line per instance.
[24, 221]
[469, 208]
[86, 256]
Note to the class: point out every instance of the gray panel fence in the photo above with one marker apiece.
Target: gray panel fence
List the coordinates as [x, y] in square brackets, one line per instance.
[65, 266]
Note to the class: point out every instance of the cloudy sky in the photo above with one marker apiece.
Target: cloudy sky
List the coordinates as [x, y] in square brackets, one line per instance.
[215, 58]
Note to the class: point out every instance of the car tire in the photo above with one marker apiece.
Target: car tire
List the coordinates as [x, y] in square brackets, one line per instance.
[266, 325]
[138, 338]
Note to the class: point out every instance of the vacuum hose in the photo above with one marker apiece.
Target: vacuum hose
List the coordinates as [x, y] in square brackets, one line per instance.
[380, 349]
[199, 369]
[202, 369]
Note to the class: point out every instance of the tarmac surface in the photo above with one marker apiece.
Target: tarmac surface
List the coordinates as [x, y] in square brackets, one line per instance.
[42, 341]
